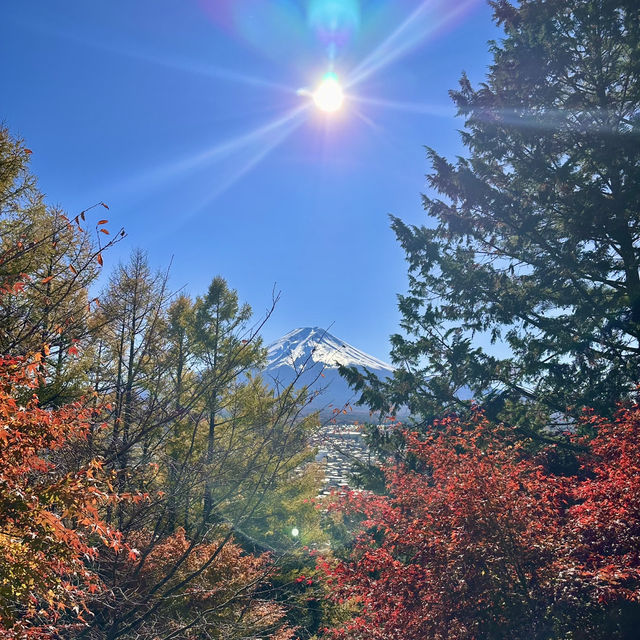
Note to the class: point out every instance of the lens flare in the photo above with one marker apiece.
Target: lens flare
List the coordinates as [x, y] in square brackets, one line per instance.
[428, 19]
[334, 21]
[329, 96]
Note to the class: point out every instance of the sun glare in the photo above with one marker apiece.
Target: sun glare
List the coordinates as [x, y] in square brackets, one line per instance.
[329, 96]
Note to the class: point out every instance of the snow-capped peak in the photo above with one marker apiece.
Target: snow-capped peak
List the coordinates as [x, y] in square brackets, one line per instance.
[309, 345]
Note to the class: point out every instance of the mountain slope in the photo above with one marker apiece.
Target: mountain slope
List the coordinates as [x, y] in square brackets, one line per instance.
[310, 357]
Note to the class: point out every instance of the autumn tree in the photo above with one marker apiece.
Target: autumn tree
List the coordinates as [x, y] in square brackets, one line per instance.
[50, 516]
[477, 539]
[51, 525]
[228, 600]
[524, 283]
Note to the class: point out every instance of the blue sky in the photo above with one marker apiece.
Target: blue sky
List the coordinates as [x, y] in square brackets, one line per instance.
[185, 117]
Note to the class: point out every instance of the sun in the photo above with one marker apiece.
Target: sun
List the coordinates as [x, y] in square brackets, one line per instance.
[329, 96]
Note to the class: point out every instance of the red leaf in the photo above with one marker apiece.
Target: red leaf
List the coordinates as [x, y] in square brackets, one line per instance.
[133, 555]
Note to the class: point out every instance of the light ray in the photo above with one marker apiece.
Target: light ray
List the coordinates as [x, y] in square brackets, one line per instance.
[179, 64]
[393, 142]
[367, 65]
[173, 170]
[593, 120]
[256, 157]
[368, 121]
[210, 71]
[406, 37]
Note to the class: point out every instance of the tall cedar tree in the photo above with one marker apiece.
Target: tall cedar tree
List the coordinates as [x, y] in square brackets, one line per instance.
[532, 241]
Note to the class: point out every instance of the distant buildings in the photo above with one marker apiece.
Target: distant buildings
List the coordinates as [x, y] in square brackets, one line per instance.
[340, 447]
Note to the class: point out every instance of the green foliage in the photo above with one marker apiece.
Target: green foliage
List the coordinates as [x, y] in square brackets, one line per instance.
[219, 455]
[48, 264]
[532, 243]
[206, 467]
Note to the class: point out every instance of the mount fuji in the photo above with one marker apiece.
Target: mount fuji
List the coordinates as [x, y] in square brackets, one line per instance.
[310, 357]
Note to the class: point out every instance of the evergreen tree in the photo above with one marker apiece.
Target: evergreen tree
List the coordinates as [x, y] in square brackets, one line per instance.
[129, 330]
[533, 237]
[224, 353]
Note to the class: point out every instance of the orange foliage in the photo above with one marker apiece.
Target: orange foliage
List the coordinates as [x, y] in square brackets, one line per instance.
[49, 517]
[227, 592]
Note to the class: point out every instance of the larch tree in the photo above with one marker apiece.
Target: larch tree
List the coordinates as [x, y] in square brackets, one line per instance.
[128, 329]
[224, 353]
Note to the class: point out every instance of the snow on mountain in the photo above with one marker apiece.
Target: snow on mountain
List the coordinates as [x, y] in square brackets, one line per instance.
[310, 357]
[320, 346]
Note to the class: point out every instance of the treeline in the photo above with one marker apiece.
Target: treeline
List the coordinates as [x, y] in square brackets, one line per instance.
[150, 479]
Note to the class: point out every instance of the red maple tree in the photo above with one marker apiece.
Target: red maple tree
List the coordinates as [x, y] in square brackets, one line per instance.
[50, 524]
[479, 540]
